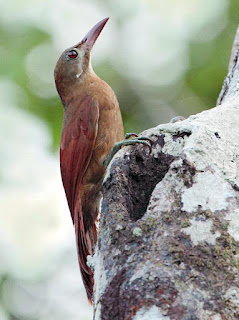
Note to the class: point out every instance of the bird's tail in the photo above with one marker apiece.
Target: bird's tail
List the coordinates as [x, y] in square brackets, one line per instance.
[85, 241]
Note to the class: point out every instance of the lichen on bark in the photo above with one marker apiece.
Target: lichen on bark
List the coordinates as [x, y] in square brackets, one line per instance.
[169, 233]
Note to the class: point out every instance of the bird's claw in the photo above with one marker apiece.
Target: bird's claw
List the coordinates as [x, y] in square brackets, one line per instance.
[148, 140]
[130, 134]
[143, 140]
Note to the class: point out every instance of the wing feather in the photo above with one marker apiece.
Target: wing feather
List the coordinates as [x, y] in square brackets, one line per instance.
[77, 145]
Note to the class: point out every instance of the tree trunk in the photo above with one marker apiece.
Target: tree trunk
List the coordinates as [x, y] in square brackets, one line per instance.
[168, 243]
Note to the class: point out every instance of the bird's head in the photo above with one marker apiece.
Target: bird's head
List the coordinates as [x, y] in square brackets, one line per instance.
[74, 62]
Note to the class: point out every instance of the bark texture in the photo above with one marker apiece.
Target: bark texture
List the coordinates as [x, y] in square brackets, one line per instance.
[169, 228]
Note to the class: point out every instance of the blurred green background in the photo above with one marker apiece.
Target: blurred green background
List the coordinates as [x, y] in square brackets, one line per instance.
[162, 58]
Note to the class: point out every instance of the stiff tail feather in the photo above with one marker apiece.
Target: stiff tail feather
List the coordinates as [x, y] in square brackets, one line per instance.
[85, 242]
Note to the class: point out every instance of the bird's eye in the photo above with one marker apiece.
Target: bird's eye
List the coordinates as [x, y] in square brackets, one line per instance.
[72, 54]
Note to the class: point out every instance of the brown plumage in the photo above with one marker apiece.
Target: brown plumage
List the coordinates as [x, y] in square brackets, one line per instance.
[92, 124]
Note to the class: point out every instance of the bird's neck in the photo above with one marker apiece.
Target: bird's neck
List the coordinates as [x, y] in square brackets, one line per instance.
[71, 91]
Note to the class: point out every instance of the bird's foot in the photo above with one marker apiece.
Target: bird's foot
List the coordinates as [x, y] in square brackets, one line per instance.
[177, 119]
[126, 142]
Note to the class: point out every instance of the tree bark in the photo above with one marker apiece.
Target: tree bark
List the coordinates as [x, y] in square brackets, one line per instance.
[168, 243]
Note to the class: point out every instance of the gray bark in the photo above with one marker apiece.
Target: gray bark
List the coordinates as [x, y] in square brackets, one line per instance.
[169, 228]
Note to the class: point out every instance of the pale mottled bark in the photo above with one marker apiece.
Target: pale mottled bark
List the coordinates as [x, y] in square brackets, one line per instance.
[169, 229]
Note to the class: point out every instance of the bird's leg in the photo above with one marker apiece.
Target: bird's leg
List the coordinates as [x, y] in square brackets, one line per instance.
[143, 140]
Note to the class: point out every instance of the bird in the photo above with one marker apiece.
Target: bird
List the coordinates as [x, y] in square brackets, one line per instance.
[92, 127]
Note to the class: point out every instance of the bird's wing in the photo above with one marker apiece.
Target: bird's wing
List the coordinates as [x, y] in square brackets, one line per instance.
[77, 144]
